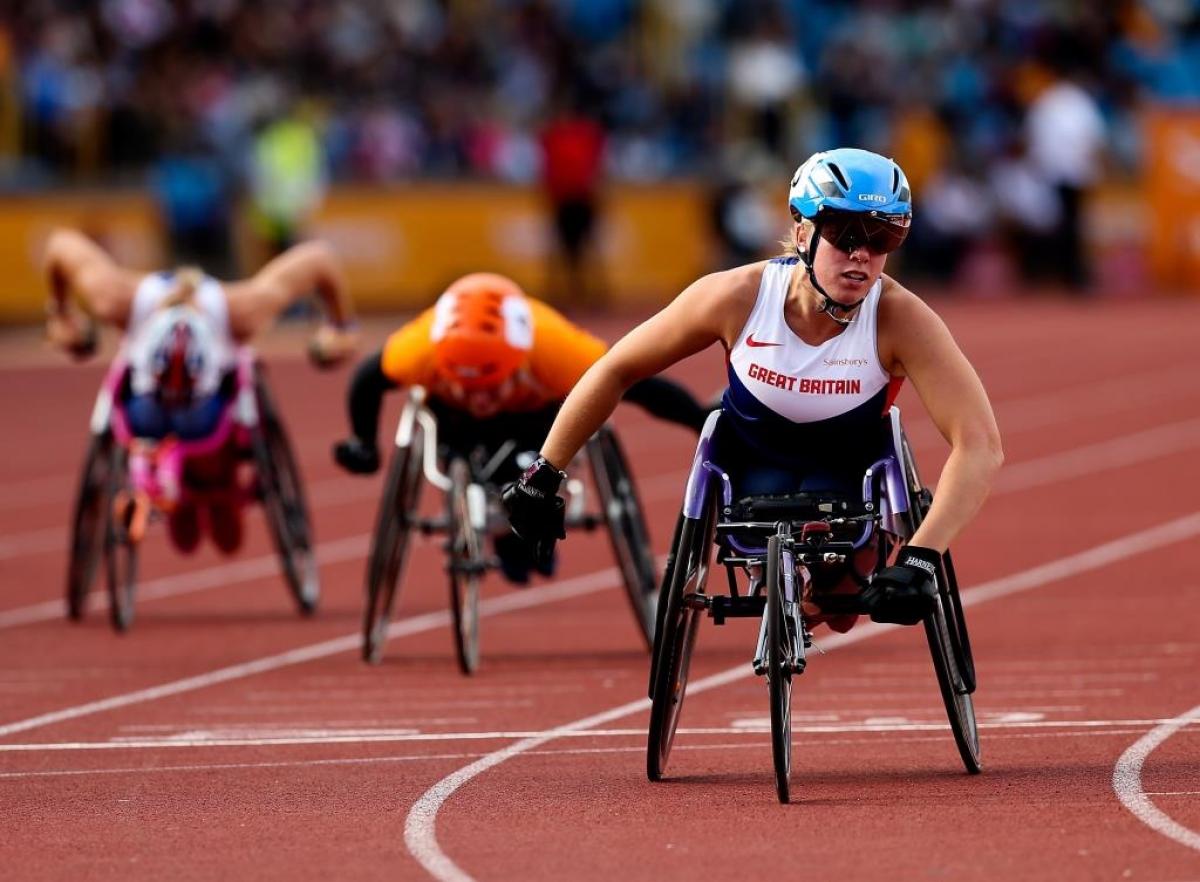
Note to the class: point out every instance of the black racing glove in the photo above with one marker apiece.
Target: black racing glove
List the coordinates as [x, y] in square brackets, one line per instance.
[357, 456]
[535, 510]
[903, 594]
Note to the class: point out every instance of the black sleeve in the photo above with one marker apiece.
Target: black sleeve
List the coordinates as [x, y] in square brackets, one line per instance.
[669, 401]
[365, 397]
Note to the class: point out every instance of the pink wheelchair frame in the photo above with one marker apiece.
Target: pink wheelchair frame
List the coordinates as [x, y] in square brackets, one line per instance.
[121, 489]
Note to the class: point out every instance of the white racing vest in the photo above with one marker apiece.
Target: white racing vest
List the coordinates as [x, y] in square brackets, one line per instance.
[205, 321]
[792, 400]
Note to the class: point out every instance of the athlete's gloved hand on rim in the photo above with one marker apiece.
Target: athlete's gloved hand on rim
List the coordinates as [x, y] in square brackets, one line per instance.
[535, 510]
[903, 594]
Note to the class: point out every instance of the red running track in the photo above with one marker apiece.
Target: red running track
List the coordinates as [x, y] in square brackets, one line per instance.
[226, 737]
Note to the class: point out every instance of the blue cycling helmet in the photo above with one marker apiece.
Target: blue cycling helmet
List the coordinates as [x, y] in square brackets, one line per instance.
[854, 199]
[850, 180]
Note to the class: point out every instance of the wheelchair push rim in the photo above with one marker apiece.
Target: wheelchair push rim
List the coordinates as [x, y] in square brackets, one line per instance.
[88, 523]
[284, 504]
[465, 566]
[120, 542]
[627, 529]
[680, 624]
[389, 544]
[960, 706]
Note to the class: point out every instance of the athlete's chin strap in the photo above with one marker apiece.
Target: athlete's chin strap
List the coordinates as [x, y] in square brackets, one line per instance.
[828, 304]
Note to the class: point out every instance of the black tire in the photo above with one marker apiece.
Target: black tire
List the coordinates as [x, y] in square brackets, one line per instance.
[466, 566]
[283, 501]
[949, 641]
[779, 673]
[88, 523]
[389, 544]
[120, 549]
[960, 639]
[664, 591]
[960, 707]
[627, 529]
[678, 640]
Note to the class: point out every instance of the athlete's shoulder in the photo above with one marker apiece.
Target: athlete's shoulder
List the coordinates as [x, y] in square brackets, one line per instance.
[899, 305]
[736, 286]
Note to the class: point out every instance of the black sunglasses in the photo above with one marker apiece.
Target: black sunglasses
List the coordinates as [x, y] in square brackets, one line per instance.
[880, 233]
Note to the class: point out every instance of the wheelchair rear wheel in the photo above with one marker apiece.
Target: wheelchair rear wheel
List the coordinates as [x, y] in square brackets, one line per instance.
[960, 707]
[389, 544]
[466, 566]
[284, 504]
[88, 522]
[779, 673]
[120, 543]
[626, 528]
[677, 640]
[956, 620]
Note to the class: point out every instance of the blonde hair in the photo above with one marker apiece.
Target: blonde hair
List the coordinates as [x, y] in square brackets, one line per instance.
[788, 242]
[187, 281]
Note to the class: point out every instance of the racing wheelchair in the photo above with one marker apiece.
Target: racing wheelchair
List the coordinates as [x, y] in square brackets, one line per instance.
[786, 549]
[473, 515]
[118, 497]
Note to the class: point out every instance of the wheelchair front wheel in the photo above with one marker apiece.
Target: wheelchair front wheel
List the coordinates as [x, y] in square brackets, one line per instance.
[960, 707]
[626, 528]
[466, 566]
[779, 673]
[88, 523]
[284, 504]
[673, 657]
[389, 544]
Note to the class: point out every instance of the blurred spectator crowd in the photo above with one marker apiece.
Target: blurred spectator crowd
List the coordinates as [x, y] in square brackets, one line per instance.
[209, 96]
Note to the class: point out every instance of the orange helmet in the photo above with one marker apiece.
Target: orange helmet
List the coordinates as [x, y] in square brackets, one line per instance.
[482, 331]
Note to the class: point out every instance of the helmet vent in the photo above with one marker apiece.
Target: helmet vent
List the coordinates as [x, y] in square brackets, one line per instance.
[837, 173]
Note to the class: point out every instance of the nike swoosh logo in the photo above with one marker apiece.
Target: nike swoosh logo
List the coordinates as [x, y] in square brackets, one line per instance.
[750, 341]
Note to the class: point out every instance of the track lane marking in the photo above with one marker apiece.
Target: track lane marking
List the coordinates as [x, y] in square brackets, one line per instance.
[420, 826]
[564, 590]
[1127, 781]
[562, 751]
[756, 727]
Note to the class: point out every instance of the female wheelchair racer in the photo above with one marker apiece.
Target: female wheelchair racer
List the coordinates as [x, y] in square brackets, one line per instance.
[817, 344]
[183, 405]
[490, 367]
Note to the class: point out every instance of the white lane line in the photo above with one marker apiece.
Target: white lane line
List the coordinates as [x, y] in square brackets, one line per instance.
[1127, 781]
[1101, 456]
[555, 752]
[564, 590]
[743, 727]
[331, 552]
[420, 827]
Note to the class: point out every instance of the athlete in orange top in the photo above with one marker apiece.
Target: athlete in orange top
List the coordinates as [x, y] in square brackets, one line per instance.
[497, 365]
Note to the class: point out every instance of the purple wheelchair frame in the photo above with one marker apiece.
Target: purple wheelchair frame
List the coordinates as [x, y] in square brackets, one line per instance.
[885, 487]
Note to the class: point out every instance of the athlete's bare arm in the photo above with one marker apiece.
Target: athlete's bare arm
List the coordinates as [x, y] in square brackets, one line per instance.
[307, 268]
[712, 308]
[77, 270]
[916, 343]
